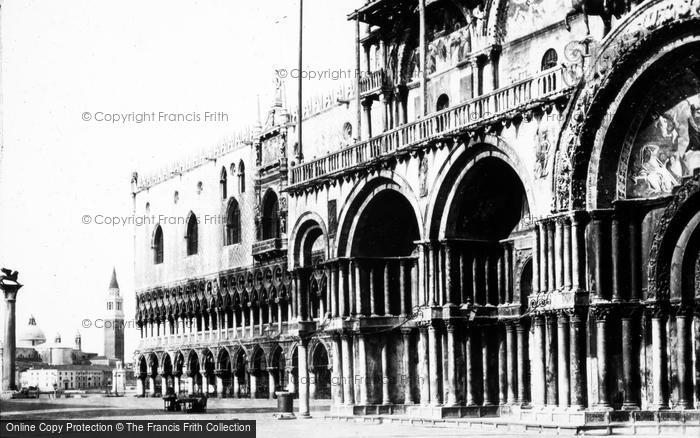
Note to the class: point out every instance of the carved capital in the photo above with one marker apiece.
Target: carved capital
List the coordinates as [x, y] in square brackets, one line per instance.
[601, 314]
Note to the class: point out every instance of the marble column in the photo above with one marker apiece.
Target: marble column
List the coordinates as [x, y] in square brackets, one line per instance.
[236, 385]
[253, 379]
[558, 226]
[552, 371]
[471, 373]
[684, 321]
[544, 261]
[386, 399]
[337, 377]
[431, 274]
[619, 268]
[333, 289]
[577, 351]
[451, 366]
[449, 280]
[512, 363]
[578, 256]
[372, 292]
[602, 314]
[140, 387]
[342, 288]
[10, 287]
[536, 251]
[271, 383]
[488, 372]
[348, 378]
[564, 388]
[424, 366]
[502, 365]
[303, 370]
[357, 302]
[551, 255]
[539, 377]
[630, 359]
[361, 377]
[387, 294]
[402, 288]
[435, 367]
[523, 362]
[367, 107]
[567, 253]
[406, 365]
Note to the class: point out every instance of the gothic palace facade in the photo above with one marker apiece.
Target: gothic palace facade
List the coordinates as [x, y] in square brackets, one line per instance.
[501, 216]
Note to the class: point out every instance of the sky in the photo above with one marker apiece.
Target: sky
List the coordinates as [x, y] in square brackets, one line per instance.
[67, 66]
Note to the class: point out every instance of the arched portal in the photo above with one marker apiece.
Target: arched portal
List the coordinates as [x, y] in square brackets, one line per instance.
[278, 369]
[320, 373]
[259, 381]
[240, 375]
[194, 377]
[479, 211]
[178, 368]
[154, 380]
[381, 238]
[386, 227]
[223, 374]
[310, 252]
[208, 381]
[167, 382]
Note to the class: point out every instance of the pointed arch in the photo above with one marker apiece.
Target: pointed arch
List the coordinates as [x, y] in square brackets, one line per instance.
[157, 245]
[241, 176]
[233, 222]
[192, 235]
[223, 183]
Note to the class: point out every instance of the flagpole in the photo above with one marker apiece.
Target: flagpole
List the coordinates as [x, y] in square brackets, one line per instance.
[300, 153]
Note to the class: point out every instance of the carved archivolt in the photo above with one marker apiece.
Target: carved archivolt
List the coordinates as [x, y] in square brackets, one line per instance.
[604, 70]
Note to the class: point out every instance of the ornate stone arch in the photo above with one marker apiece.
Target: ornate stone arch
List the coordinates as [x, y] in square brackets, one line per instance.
[306, 223]
[456, 166]
[637, 41]
[682, 213]
[358, 199]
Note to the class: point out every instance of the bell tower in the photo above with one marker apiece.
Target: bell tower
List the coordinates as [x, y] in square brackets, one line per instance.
[114, 321]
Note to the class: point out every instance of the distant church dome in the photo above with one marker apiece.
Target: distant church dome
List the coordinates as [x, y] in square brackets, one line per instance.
[31, 335]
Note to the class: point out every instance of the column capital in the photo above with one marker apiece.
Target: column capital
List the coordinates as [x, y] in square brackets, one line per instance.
[562, 316]
[406, 331]
[601, 313]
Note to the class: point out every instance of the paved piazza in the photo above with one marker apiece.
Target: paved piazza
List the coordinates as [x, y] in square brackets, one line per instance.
[262, 411]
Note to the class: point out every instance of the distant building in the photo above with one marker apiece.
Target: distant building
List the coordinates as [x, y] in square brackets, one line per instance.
[52, 377]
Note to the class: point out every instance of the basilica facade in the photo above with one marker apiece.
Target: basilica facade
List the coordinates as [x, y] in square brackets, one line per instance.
[499, 217]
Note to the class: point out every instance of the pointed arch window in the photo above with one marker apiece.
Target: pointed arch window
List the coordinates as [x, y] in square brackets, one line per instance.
[222, 181]
[233, 223]
[241, 177]
[192, 235]
[158, 246]
[271, 216]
